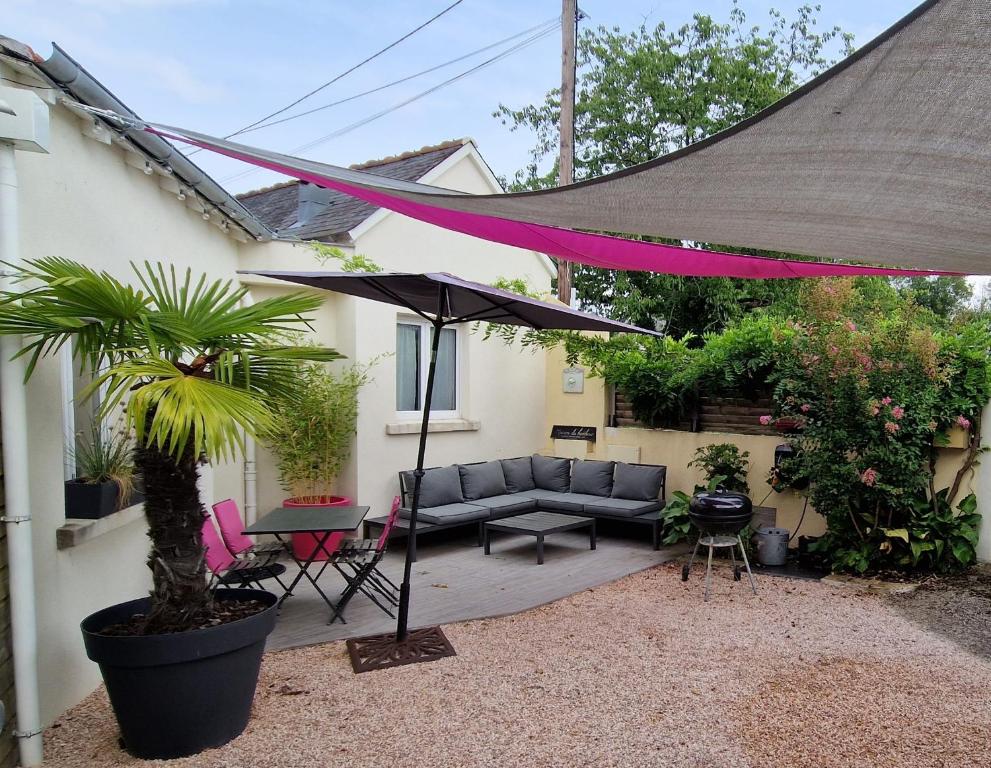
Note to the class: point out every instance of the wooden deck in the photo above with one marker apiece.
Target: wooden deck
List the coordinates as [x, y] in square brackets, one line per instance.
[454, 581]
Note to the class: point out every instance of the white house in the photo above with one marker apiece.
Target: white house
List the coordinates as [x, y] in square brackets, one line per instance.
[106, 197]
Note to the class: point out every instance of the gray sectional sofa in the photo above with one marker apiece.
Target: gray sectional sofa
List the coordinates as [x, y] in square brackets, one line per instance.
[470, 494]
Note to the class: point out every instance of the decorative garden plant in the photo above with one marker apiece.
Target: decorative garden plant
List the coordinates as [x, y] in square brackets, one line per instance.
[189, 365]
[312, 428]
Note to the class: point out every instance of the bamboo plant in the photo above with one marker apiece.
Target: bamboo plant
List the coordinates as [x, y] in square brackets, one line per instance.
[312, 431]
[192, 368]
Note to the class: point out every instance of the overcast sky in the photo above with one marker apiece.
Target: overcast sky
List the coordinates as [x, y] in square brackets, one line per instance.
[216, 65]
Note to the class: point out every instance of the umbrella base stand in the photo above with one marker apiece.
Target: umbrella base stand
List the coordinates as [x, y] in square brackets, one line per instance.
[384, 651]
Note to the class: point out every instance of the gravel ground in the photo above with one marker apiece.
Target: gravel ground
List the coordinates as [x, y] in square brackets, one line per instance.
[638, 673]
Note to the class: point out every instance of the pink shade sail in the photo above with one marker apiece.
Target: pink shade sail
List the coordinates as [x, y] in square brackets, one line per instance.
[572, 245]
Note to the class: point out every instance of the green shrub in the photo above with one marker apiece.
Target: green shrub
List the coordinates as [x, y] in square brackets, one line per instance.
[726, 463]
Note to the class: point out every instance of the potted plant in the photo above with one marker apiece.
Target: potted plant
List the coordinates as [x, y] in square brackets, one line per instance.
[191, 370]
[105, 477]
[311, 436]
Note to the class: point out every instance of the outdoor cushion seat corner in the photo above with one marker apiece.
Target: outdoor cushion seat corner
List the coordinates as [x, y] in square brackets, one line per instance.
[459, 512]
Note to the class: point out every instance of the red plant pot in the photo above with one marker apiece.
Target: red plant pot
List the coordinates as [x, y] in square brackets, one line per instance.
[303, 544]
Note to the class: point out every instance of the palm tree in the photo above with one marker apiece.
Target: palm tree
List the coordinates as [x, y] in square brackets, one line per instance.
[191, 368]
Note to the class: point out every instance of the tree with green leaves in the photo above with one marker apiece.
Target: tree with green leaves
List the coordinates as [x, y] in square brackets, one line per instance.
[645, 93]
[191, 367]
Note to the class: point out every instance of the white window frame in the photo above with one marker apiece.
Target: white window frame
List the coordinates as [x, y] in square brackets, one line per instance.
[426, 329]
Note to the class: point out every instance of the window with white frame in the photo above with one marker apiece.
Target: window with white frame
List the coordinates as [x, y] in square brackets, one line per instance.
[413, 340]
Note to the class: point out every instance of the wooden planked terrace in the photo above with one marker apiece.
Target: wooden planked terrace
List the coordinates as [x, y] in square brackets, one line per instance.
[454, 581]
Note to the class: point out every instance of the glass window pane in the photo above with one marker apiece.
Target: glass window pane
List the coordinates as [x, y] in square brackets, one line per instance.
[446, 378]
[407, 367]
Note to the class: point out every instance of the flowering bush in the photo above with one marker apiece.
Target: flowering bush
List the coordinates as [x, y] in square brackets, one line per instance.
[875, 395]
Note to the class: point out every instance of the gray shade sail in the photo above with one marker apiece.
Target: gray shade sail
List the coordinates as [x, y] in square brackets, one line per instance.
[885, 158]
[465, 301]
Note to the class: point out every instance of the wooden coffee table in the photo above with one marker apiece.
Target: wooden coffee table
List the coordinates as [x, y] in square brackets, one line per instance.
[539, 525]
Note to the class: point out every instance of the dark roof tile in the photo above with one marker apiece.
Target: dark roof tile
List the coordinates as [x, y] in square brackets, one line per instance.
[277, 205]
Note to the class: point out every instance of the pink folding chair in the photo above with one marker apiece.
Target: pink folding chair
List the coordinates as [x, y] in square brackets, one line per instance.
[228, 517]
[228, 571]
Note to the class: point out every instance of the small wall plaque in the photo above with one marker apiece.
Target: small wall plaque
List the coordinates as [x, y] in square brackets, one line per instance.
[570, 432]
[574, 381]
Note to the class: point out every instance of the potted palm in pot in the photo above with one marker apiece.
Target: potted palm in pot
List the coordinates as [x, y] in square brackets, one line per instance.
[190, 369]
[311, 436]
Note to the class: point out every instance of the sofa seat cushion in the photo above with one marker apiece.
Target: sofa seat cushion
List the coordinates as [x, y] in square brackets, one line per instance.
[479, 481]
[621, 507]
[448, 513]
[592, 477]
[508, 503]
[567, 502]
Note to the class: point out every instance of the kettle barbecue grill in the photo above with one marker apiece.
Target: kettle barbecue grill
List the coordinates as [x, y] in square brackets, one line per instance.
[720, 515]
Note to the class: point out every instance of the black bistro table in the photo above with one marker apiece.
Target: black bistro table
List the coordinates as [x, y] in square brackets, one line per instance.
[321, 522]
[539, 525]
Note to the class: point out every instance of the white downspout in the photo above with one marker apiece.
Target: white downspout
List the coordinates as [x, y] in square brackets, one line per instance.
[250, 481]
[250, 466]
[13, 411]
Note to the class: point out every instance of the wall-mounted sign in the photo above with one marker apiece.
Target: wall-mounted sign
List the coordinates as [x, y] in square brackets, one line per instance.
[569, 432]
[574, 381]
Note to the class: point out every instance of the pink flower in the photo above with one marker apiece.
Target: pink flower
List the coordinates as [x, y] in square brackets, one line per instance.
[963, 421]
[869, 476]
[765, 420]
[875, 411]
[897, 412]
[833, 349]
[891, 427]
[886, 401]
[806, 408]
[851, 326]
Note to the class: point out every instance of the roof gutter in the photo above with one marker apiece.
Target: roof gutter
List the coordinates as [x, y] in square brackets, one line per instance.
[69, 75]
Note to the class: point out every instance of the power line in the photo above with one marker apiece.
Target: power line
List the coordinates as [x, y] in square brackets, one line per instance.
[370, 118]
[550, 24]
[346, 72]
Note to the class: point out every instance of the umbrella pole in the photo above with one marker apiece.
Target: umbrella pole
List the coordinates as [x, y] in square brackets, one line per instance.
[404, 588]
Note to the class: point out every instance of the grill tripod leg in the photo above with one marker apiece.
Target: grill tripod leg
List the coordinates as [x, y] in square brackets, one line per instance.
[753, 584]
[708, 574]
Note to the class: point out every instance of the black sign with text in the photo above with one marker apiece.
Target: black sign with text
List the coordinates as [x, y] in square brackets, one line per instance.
[569, 432]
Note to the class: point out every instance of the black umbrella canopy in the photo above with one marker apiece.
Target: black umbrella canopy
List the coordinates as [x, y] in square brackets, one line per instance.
[463, 300]
[442, 299]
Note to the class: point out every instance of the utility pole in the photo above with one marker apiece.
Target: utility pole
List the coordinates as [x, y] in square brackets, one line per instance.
[566, 160]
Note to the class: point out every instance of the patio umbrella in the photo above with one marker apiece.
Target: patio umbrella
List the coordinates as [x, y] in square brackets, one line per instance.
[441, 299]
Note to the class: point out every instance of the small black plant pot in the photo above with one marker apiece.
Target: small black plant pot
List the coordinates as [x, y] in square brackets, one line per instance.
[177, 694]
[91, 501]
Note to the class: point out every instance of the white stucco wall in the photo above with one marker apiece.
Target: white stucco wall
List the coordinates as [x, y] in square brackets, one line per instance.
[85, 203]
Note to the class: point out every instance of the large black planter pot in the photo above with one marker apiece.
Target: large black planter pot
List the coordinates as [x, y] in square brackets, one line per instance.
[178, 694]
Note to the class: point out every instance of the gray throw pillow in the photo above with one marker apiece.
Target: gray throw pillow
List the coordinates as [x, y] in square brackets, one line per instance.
[479, 481]
[594, 477]
[551, 474]
[440, 486]
[519, 474]
[637, 483]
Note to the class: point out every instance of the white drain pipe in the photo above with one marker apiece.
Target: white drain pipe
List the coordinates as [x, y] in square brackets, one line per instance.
[13, 412]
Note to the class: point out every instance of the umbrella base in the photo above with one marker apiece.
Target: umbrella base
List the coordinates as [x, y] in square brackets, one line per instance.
[383, 651]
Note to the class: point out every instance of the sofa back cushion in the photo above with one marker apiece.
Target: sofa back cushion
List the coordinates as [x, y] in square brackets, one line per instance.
[518, 474]
[479, 481]
[441, 485]
[551, 473]
[637, 482]
[592, 477]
